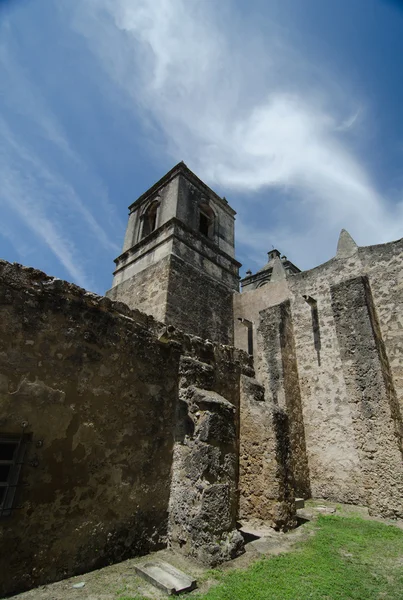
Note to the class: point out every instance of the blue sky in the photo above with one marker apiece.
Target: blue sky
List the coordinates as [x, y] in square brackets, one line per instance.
[291, 109]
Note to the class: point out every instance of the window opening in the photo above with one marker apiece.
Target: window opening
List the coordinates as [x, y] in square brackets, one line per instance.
[249, 325]
[150, 219]
[11, 455]
[206, 220]
[204, 224]
[315, 324]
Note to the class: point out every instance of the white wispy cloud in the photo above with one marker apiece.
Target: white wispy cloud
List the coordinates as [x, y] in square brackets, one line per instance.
[350, 121]
[26, 98]
[34, 187]
[247, 112]
[28, 197]
[19, 91]
[23, 200]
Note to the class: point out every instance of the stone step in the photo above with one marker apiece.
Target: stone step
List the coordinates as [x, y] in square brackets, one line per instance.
[299, 503]
[166, 577]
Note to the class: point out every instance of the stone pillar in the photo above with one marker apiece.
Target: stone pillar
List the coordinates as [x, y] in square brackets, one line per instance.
[203, 501]
[265, 477]
[371, 396]
[279, 373]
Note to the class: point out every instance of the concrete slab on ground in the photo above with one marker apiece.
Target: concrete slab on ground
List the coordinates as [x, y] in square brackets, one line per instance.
[258, 529]
[164, 576]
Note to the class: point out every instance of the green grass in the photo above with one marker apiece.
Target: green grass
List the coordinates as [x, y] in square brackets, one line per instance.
[345, 559]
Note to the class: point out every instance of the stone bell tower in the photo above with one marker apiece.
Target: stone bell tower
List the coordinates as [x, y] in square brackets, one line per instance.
[178, 259]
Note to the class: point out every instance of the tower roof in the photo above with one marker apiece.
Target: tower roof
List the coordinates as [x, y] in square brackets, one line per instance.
[182, 169]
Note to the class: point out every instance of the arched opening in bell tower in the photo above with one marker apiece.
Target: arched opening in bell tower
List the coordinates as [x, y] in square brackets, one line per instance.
[206, 220]
[150, 219]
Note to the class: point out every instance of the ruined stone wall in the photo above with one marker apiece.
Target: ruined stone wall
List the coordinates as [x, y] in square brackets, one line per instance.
[265, 461]
[97, 394]
[95, 387]
[204, 503]
[214, 452]
[383, 264]
[276, 367]
[333, 458]
[204, 493]
[278, 370]
[371, 394]
[329, 394]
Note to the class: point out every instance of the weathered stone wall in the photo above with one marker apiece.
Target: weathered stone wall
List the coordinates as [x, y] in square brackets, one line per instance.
[225, 425]
[191, 287]
[147, 291]
[266, 475]
[248, 306]
[198, 304]
[204, 502]
[192, 193]
[319, 377]
[371, 393]
[384, 265]
[333, 458]
[204, 495]
[96, 387]
[97, 393]
[205, 255]
[278, 369]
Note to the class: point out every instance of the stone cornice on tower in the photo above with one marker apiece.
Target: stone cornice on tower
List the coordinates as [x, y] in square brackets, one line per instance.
[182, 169]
